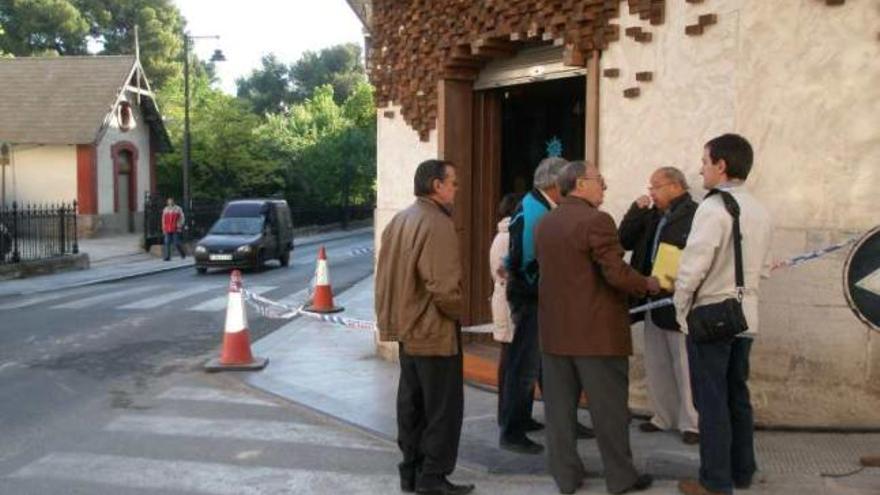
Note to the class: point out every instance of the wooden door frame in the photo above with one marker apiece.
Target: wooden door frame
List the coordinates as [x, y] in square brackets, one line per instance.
[477, 158]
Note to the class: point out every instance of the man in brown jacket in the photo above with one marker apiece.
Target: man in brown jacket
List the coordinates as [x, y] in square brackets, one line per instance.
[584, 329]
[418, 303]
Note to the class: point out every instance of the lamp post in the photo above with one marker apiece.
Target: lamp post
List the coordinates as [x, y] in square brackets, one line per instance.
[216, 57]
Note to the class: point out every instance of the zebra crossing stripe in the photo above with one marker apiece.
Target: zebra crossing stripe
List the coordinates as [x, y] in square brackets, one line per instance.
[241, 429]
[30, 301]
[212, 395]
[219, 303]
[168, 297]
[163, 476]
[134, 473]
[89, 302]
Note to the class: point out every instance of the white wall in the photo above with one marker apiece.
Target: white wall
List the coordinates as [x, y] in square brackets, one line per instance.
[801, 81]
[41, 174]
[140, 137]
[399, 151]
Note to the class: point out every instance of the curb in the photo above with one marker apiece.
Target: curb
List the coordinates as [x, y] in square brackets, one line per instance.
[151, 271]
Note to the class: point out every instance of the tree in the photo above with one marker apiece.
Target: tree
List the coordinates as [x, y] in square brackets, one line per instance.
[339, 66]
[65, 27]
[160, 25]
[267, 89]
[35, 27]
[327, 151]
[226, 162]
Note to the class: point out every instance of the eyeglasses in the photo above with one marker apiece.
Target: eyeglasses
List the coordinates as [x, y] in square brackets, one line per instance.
[659, 186]
[598, 178]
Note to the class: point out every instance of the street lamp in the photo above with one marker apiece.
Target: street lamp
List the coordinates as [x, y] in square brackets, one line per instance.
[216, 57]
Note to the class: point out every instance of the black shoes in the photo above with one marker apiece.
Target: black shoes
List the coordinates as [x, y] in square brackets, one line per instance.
[407, 484]
[690, 437]
[643, 482]
[442, 487]
[533, 425]
[649, 427]
[521, 446]
[585, 432]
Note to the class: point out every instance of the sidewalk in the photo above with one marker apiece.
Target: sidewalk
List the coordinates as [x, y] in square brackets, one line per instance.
[335, 371]
[121, 257]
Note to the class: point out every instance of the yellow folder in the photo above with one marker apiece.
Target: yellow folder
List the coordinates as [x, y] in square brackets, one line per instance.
[666, 265]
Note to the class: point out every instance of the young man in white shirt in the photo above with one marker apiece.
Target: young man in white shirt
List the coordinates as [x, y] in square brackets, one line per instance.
[720, 369]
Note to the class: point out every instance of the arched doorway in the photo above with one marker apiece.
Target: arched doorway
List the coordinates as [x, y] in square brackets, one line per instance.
[125, 185]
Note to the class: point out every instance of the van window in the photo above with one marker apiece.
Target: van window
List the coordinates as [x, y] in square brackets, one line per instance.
[243, 210]
[238, 226]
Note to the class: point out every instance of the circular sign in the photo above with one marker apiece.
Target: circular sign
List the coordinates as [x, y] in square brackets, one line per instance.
[861, 278]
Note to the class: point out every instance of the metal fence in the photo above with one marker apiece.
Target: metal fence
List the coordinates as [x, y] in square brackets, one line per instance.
[37, 231]
[204, 213]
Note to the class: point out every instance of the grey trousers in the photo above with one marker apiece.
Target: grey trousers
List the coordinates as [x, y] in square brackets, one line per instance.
[606, 383]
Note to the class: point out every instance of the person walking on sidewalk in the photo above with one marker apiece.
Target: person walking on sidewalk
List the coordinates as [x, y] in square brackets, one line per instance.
[172, 224]
[502, 322]
[419, 301]
[706, 275]
[585, 332]
[643, 230]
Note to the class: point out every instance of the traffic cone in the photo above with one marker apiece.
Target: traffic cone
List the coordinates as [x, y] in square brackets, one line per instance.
[322, 301]
[236, 351]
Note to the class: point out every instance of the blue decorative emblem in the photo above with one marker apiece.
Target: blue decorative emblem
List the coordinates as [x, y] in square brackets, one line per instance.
[554, 148]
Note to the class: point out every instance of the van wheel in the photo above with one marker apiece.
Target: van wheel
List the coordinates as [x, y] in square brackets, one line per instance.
[285, 258]
[201, 270]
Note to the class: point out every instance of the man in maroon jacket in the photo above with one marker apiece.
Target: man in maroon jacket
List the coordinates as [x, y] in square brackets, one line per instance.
[172, 222]
[584, 329]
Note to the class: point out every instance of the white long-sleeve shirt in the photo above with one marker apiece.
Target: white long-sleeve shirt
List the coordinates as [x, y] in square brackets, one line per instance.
[706, 270]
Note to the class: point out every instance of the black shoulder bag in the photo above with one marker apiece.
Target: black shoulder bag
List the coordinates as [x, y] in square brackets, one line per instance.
[723, 320]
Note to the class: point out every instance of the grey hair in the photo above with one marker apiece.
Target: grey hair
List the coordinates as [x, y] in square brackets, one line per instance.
[570, 174]
[675, 175]
[547, 173]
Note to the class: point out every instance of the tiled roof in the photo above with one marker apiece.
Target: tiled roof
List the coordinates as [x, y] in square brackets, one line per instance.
[59, 100]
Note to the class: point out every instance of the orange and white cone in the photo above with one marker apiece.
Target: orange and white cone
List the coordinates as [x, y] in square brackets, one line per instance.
[236, 351]
[322, 300]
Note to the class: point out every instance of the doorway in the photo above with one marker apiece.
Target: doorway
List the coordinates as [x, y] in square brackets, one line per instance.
[514, 128]
[126, 192]
[539, 120]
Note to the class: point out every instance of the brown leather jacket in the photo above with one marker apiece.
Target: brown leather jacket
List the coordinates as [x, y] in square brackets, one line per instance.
[582, 304]
[418, 281]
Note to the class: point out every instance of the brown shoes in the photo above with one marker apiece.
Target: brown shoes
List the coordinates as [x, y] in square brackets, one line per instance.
[870, 461]
[694, 487]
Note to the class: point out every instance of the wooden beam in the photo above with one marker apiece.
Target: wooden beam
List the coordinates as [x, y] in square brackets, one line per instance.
[592, 127]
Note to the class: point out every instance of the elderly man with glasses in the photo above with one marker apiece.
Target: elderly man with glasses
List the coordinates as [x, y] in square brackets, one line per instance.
[652, 224]
[584, 331]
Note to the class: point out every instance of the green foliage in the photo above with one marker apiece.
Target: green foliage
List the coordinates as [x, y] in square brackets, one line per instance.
[34, 27]
[327, 151]
[267, 88]
[226, 162]
[64, 27]
[339, 66]
[160, 25]
[274, 87]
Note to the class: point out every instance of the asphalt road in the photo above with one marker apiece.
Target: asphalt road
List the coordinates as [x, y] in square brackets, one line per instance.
[72, 360]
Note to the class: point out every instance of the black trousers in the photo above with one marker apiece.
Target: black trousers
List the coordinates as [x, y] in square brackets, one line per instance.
[430, 406]
[719, 378]
[522, 366]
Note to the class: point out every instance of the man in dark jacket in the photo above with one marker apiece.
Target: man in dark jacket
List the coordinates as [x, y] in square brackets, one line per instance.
[523, 360]
[585, 334]
[644, 230]
[418, 304]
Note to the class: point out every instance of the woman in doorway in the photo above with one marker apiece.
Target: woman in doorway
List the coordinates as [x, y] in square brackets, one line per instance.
[501, 320]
